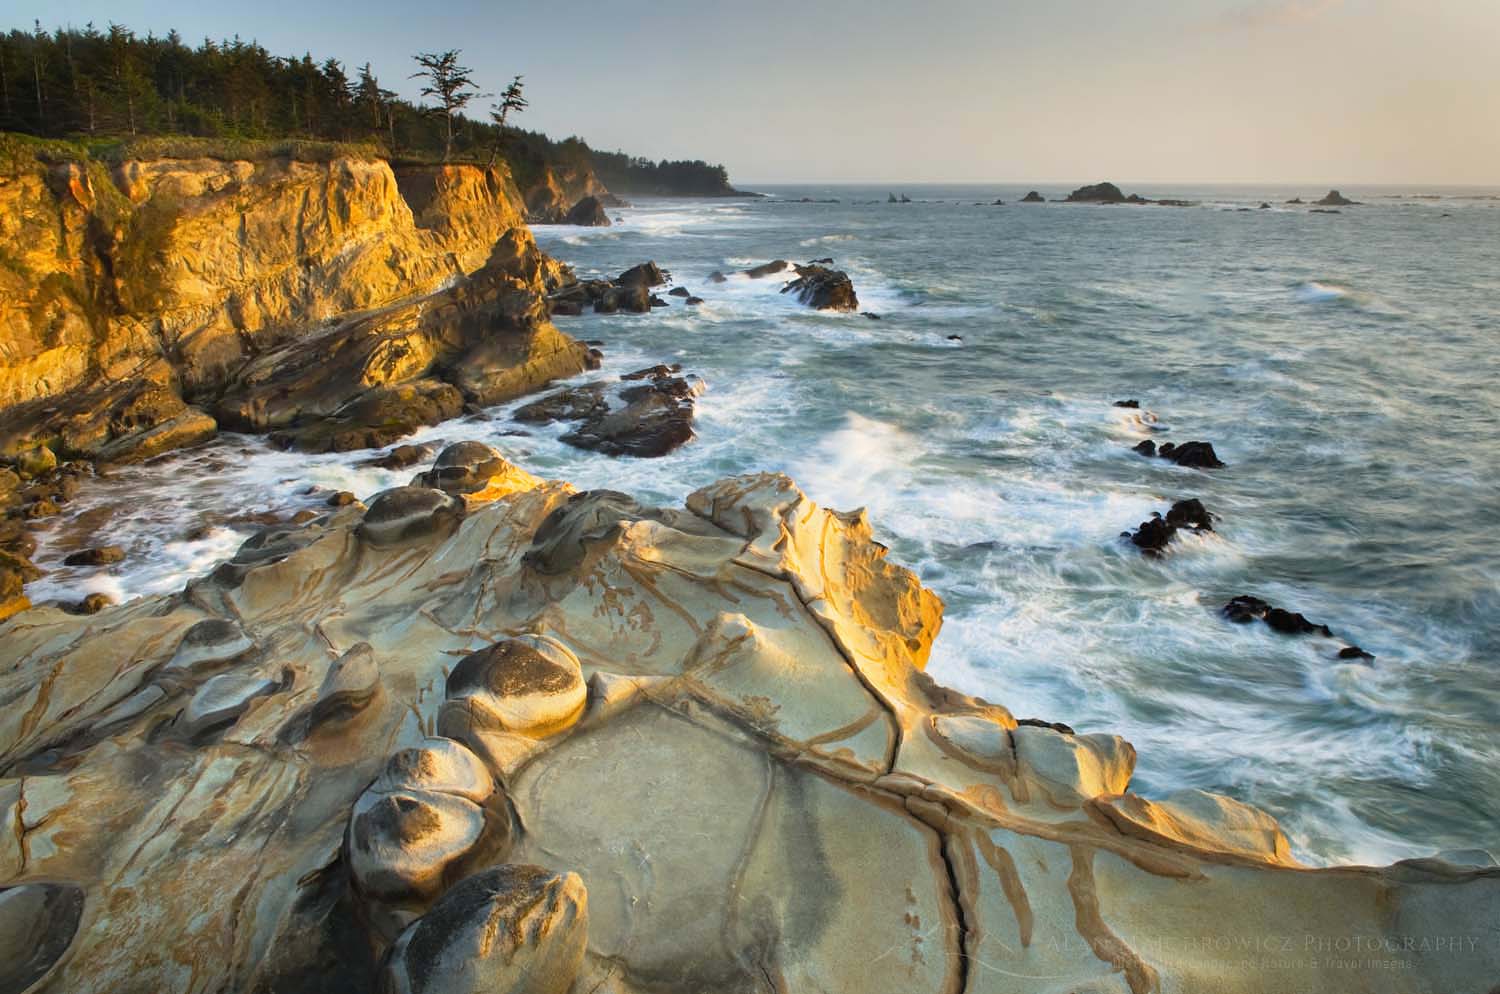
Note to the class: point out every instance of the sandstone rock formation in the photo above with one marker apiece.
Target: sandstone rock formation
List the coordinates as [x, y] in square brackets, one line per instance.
[142, 304]
[520, 738]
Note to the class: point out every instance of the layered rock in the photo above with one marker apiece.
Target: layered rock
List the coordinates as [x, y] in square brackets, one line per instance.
[135, 296]
[521, 738]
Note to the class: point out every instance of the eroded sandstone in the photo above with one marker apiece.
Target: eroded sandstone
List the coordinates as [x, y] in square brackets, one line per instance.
[575, 743]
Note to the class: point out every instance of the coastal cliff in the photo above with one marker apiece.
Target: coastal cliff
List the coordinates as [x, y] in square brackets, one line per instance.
[135, 295]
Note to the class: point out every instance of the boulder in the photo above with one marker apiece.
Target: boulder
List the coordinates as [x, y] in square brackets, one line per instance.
[35, 462]
[1195, 455]
[530, 685]
[1334, 198]
[647, 274]
[376, 418]
[679, 291]
[823, 289]
[508, 930]
[634, 298]
[588, 212]
[767, 269]
[1152, 536]
[404, 513]
[655, 419]
[401, 457]
[1033, 197]
[102, 555]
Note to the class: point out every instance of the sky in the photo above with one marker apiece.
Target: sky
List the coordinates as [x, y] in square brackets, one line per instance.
[1331, 92]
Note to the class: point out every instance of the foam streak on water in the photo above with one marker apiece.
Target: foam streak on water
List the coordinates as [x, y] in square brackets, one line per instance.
[1341, 364]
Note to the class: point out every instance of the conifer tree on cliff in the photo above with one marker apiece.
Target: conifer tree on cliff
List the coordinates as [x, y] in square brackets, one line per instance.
[510, 100]
[452, 85]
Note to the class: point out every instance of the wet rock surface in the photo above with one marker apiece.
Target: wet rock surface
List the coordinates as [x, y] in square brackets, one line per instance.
[566, 740]
[823, 289]
[650, 418]
[1154, 535]
[1244, 609]
[1194, 455]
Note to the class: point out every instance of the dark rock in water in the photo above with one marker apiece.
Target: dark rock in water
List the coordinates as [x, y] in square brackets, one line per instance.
[1244, 609]
[1132, 404]
[1098, 193]
[342, 499]
[1033, 198]
[1152, 536]
[679, 291]
[693, 301]
[565, 308]
[571, 404]
[823, 289]
[1324, 210]
[377, 418]
[101, 556]
[1192, 514]
[651, 418]
[1146, 448]
[955, 338]
[717, 277]
[656, 301]
[647, 274]
[402, 456]
[998, 203]
[653, 372]
[905, 199]
[1295, 200]
[588, 212]
[1195, 455]
[892, 199]
[869, 314]
[1264, 206]
[634, 298]
[656, 419]
[768, 269]
[93, 604]
[1056, 726]
[826, 261]
[1336, 199]
[1355, 652]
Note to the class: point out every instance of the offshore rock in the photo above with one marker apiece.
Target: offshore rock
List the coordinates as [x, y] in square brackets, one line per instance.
[823, 289]
[1033, 197]
[1334, 198]
[761, 789]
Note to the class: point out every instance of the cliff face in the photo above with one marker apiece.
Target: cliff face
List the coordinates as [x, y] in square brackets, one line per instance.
[559, 188]
[175, 273]
[504, 736]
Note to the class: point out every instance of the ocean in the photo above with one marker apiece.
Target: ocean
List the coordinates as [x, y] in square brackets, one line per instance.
[1342, 365]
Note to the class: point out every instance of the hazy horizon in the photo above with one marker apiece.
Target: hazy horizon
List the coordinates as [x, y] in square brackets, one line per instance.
[1244, 92]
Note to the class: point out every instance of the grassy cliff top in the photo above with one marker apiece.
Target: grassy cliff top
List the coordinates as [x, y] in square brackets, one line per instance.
[18, 150]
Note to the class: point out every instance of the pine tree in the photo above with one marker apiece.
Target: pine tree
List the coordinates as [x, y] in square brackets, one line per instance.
[452, 85]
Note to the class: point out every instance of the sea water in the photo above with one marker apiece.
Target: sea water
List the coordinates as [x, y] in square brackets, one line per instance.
[1343, 366]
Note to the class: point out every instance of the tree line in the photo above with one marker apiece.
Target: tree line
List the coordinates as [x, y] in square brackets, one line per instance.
[111, 83]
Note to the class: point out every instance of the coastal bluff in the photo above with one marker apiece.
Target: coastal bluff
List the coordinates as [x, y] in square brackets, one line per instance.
[485, 732]
[148, 298]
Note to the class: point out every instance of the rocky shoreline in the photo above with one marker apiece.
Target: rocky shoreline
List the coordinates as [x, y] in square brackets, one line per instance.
[485, 732]
[655, 749]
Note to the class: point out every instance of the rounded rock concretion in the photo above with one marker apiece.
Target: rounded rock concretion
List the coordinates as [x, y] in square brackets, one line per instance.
[210, 642]
[405, 513]
[512, 929]
[464, 468]
[402, 843]
[437, 764]
[531, 685]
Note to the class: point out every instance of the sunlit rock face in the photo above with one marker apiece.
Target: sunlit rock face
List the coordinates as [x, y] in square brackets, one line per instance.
[505, 736]
[145, 305]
